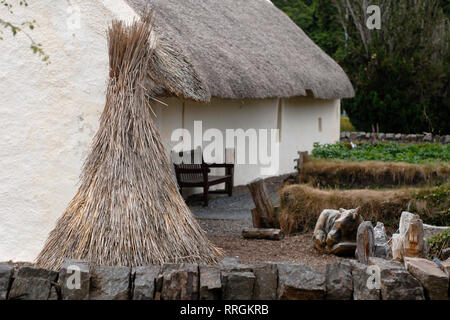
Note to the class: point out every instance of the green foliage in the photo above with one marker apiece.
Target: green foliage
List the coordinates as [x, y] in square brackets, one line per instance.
[318, 19]
[445, 4]
[439, 199]
[387, 152]
[437, 244]
[401, 73]
[346, 125]
[23, 27]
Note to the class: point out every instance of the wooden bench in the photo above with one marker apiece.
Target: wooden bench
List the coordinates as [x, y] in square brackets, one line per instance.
[195, 173]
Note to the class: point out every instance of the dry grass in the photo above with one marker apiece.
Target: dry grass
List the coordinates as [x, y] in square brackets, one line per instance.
[352, 174]
[301, 205]
[128, 210]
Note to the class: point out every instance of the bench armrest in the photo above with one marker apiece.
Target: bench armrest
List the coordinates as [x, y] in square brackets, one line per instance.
[192, 170]
[220, 165]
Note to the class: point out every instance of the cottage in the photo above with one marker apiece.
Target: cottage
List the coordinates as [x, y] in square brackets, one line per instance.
[253, 68]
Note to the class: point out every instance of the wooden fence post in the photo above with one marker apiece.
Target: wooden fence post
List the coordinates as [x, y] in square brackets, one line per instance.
[303, 157]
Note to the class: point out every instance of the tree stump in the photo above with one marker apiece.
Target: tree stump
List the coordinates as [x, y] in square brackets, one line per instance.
[263, 214]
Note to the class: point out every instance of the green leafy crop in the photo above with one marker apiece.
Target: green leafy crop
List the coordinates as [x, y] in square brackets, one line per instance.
[387, 152]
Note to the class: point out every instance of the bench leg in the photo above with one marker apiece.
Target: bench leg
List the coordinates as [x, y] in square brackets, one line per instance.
[205, 196]
[229, 188]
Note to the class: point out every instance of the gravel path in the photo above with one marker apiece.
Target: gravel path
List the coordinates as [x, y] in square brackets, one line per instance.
[237, 207]
[226, 234]
[226, 217]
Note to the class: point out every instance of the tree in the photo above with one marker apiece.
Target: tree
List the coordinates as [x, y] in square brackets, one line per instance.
[22, 27]
[317, 18]
[400, 72]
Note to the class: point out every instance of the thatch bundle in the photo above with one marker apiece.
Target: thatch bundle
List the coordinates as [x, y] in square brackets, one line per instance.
[128, 210]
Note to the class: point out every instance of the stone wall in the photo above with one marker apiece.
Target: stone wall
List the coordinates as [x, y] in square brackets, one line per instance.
[393, 137]
[228, 280]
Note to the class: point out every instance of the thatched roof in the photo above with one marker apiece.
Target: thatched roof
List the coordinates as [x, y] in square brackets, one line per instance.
[245, 49]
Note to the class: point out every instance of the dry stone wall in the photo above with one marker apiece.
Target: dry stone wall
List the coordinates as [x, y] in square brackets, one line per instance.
[393, 137]
[228, 280]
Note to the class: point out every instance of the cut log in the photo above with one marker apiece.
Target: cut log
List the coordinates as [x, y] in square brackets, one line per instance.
[266, 234]
[263, 214]
[256, 219]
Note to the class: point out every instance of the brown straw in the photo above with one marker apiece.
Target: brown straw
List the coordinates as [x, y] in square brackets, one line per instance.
[128, 210]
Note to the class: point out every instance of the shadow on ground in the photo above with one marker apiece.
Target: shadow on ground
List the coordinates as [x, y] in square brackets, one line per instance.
[236, 207]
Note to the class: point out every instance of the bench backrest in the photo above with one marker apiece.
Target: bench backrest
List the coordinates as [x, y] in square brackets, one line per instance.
[192, 166]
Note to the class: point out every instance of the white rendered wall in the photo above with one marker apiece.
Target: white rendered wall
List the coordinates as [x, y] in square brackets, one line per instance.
[300, 127]
[49, 114]
[299, 124]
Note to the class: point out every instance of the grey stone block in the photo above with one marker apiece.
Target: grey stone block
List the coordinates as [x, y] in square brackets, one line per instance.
[266, 281]
[210, 283]
[362, 284]
[299, 282]
[233, 264]
[238, 285]
[6, 276]
[396, 282]
[144, 282]
[179, 282]
[432, 278]
[74, 280]
[55, 292]
[339, 281]
[32, 284]
[265, 277]
[109, 283]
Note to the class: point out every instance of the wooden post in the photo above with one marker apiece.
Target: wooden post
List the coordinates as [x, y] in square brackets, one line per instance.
[266, 234]
[263, 214]
[303, 157]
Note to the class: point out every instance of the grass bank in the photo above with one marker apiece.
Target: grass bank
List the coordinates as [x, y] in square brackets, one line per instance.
[371, 174]
[301, 205]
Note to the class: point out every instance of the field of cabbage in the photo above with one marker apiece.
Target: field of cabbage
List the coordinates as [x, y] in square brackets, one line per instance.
[387, 152]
